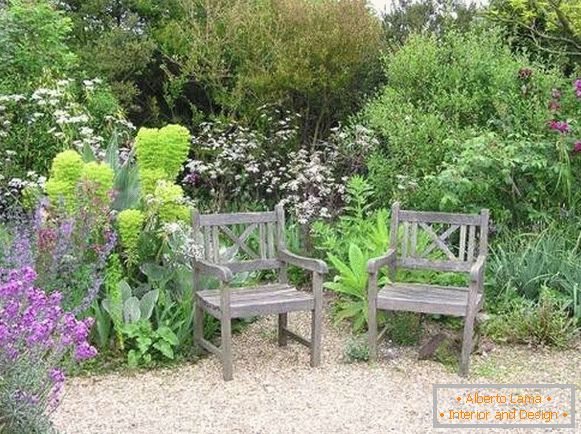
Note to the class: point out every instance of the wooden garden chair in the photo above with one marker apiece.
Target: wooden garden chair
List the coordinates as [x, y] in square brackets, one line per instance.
[267, 251]
[456, 243]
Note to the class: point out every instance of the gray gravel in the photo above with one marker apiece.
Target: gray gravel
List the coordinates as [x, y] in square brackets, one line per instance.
[275, 391]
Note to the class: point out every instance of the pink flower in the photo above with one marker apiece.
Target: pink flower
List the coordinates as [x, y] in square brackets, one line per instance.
[561, 126]
[577, 147]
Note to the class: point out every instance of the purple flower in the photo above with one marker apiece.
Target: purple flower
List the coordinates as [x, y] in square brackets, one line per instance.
[560, 126]
[85, 351]
[36, 333]
[577, 147]
[191, 179]
[56, 375]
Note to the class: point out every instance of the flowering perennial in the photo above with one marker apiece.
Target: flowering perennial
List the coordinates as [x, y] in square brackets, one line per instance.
[36, 331]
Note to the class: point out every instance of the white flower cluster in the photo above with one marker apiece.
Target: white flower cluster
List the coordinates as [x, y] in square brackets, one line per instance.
[235, 162]
[56, 111]
[180, 239]
[310, 185]
[13, 187]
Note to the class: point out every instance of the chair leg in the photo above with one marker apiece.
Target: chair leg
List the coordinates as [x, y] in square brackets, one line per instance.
[226, 347]
[316, 335]
[282, 325]
[372, 329]
[467, 343]
[198, 326]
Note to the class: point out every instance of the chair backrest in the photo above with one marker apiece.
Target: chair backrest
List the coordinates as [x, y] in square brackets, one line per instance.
[244, 241]
[437, 240]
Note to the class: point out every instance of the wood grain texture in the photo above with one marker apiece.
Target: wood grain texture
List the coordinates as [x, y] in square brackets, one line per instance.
[317, 320]
[259, 300]
[315, 265]
[439, 217]
[424, 298]
[237, 218]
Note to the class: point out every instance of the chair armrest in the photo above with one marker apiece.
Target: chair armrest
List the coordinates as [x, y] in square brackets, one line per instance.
[477, 269]
[374, 264]
[315, 265]
[211, 269]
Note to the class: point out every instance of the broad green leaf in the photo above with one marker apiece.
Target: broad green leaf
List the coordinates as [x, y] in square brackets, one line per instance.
[143, 343]
[168, 335]
[164, 348]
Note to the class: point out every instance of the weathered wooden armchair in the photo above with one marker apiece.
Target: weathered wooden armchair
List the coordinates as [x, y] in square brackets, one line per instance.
[455, 242]
[279, 298]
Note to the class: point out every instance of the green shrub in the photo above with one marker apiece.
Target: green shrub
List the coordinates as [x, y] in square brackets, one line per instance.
[100, 177]
[42, 110]
[129, 225]
[544, 322]
[33, 38]
[462, 123]
[67, 168]
[170, 201]
[523, 179]
[357, 350]
[162, 149]
[246, 54]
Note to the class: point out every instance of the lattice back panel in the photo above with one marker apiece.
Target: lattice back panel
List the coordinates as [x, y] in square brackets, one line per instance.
[244, 241]
[439, 238]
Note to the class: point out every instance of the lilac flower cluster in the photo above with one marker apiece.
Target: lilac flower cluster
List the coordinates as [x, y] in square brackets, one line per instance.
[35, 328]
[577, 85]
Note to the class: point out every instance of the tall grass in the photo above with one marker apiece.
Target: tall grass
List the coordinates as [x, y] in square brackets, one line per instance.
[525, 264]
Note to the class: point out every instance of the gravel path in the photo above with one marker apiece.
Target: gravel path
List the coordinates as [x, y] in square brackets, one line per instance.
[275, 391]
